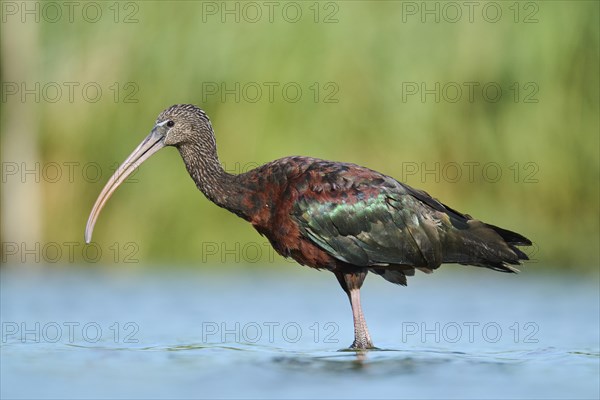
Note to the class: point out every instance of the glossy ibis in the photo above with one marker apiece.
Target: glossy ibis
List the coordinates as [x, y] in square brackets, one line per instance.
[341, 217]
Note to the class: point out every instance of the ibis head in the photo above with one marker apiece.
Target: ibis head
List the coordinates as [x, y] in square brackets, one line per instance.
[183, 126]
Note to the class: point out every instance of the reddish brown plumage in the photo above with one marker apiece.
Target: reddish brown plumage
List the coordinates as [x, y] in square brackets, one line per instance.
[276, 187]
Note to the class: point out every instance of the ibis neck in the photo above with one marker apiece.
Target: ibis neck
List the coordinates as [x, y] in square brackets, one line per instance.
[220, 187]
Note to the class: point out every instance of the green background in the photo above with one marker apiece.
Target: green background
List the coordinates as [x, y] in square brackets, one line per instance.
[355, 63]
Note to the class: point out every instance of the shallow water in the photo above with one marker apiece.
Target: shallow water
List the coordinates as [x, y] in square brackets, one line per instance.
[277, 333]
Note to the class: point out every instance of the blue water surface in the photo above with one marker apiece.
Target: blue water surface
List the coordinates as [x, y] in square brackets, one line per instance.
[232, 332]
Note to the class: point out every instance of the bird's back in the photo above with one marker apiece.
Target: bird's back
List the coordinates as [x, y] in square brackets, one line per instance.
[338, 215]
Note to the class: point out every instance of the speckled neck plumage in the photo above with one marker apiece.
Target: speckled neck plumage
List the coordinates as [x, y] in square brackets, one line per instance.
[220, 187]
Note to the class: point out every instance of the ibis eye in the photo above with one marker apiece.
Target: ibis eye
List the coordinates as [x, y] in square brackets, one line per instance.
[170, 124]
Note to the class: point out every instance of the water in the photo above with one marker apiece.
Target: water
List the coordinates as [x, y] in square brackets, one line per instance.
[241, 333]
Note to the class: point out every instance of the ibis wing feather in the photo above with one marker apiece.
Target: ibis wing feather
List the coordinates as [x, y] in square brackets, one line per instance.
[367, 219]
[366, 227]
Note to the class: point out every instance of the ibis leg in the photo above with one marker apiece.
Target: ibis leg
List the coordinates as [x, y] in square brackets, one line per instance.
[351, 283]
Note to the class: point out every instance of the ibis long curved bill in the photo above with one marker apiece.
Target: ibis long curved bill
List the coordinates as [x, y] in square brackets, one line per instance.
[150, 145]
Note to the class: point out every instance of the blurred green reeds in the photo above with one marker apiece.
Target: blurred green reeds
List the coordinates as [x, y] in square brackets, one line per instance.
[356, 75]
